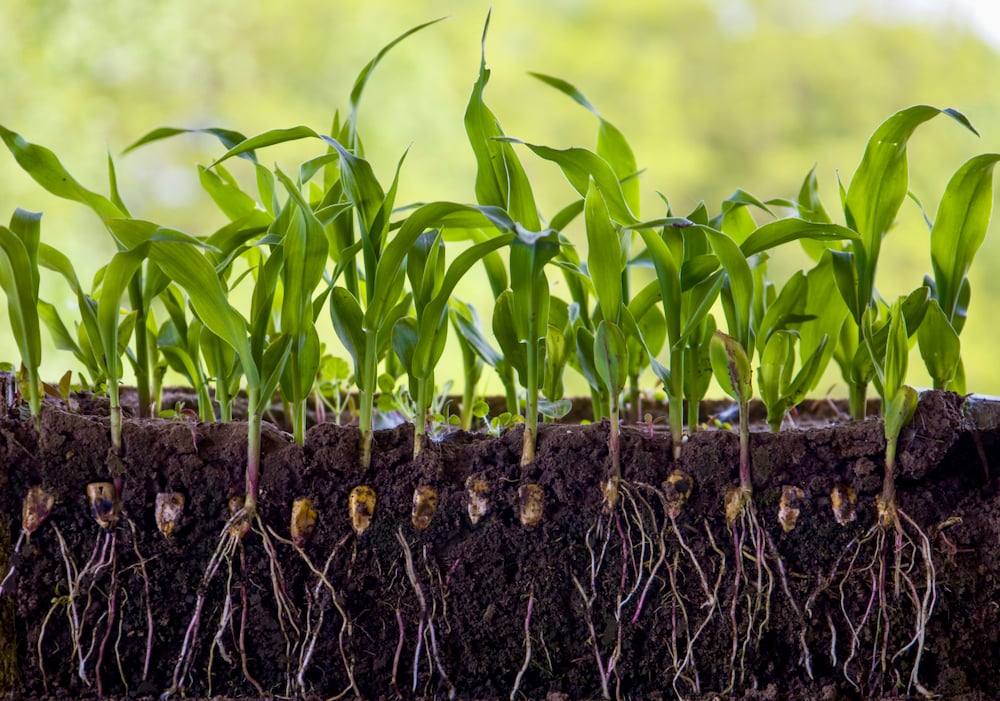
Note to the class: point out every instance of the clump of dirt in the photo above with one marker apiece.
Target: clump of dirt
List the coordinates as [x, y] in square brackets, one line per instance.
[657, 598]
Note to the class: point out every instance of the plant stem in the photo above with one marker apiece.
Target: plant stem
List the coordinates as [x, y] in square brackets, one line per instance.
[206, 412]
[510, 389]
[886, 503]
[366, 396]
[676, 401]
[633, 383]
[423, 408]
[614, 447]
[299, 421]
[224, 400]
[746, 482]
[857, 391]
[254, 419]
[531, 404]
[142, 345]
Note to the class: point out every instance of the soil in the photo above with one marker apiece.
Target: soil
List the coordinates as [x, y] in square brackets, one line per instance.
[589, 602]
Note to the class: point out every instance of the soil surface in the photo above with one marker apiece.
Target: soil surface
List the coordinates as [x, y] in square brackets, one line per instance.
[651, 599]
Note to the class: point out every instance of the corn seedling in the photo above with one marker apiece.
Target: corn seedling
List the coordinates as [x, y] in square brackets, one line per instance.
[894, 534]
[19, 279]
[871, 203]
[958, 230]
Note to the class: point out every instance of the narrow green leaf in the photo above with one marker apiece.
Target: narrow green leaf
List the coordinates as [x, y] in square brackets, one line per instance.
[227, 137]
[731, 366]
[939, 345]
[43, 165]
[348, 322]
[611, 357]
[605, 261]
[960, 227]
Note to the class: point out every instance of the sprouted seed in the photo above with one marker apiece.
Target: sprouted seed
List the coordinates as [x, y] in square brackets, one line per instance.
[239, 526]
[676, 490]
[425, 501]
[789, 506]
[303, 521]
[532, 503]
[478, 493]
[168, 511]
[361, 505]
[36, 509]
[105, 505]
[844, 502]
[735, 499]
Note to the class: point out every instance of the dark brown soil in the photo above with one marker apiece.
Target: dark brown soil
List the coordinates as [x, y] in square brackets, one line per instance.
[594, 581]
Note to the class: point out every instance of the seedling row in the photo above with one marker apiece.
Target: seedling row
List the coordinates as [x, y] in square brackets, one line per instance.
[328, 238]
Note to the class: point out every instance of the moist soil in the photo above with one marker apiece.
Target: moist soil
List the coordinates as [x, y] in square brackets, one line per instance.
[589, 602]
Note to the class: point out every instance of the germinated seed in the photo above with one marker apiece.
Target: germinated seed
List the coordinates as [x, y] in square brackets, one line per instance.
[105, 506]
[676, 489]
[789, 506]
[735, 498]
[478, 492]
[532, 499]
[37, 506]
[242, 525]
[844, 501]
[361, 504]
[303, 521]
[168, 511]
[425, 501]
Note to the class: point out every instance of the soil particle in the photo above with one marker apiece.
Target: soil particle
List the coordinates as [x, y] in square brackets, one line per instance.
[589, 602]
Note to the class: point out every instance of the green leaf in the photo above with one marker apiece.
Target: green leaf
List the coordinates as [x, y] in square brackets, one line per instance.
[500, 177]
[348, 322]
[740, 287]
[611, 357]
[785, 230]
[939, 345]
[611, 143]
[227, 137]
[960, 227]
[43, 165]
[505, 332]
[605, 260]
[404, 341]
[580, 166]
[365, 74]
[899, 411]
[879, 186]
[731, 366]
[896, 352]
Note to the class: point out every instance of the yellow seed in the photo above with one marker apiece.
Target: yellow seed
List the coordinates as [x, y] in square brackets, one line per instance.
[610, 491]
[736, 499]
[168, 512]
[303, 520]
[532, 499]
[425, 501]
[361, 504]
[105, 506]
[789, 506]
[677, 488]
[37, 506]
[844, 500]
[478, 492]
[241, 525]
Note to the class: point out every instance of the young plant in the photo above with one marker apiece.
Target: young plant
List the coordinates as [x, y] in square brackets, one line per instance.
[461, 313]
[778, 336]
[419, 341]
[958, 230]
[611, 360]
[871, 202]
[19, 279]
[502, 183]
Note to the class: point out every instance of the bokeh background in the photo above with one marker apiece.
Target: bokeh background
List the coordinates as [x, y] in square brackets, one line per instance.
[713, 95]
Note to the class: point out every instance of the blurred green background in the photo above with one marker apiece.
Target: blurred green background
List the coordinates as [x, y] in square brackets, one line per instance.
[713, 94]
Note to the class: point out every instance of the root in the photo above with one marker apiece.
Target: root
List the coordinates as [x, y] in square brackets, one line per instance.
[903, 552]
[527, 645]
[426, 627]
[313, 628]
[749, 545]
